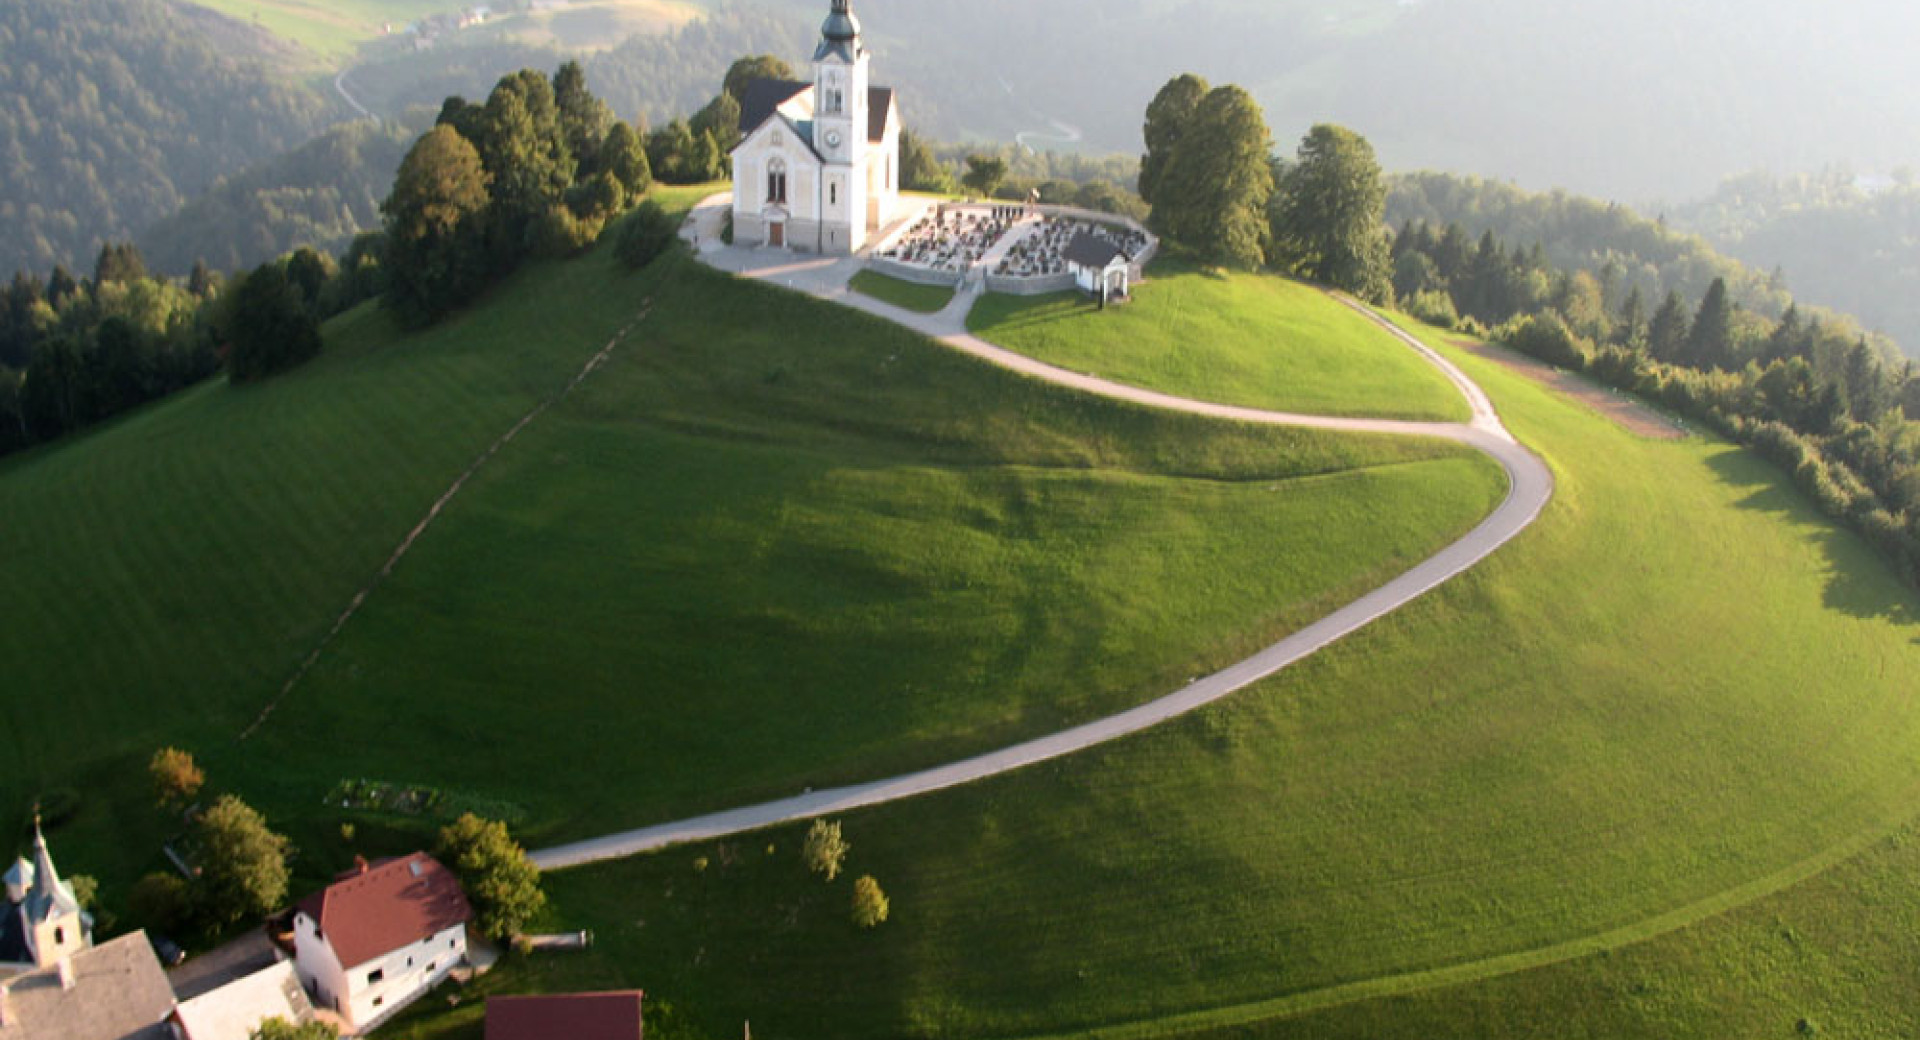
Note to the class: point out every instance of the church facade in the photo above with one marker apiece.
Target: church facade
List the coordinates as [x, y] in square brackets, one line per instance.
[817, 169]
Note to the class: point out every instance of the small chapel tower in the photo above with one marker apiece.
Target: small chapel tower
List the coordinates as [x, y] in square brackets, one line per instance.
[841, 66]
[50, 920]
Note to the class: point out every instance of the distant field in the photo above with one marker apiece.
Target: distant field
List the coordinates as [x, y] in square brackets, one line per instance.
[772, 543]
[1243, 339]
[1683, 690]
[335, 29]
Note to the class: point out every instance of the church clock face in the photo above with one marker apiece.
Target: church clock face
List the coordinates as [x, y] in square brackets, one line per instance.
[833, 139]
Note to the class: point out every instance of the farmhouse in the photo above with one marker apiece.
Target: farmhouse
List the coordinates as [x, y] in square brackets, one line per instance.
[576, 1016]
[818, 165]
[380, 936]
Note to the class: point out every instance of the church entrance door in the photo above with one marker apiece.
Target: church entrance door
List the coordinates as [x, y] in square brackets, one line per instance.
[777, 235]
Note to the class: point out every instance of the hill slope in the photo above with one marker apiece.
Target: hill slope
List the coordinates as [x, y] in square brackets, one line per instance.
[1680, 691]
[768, 544]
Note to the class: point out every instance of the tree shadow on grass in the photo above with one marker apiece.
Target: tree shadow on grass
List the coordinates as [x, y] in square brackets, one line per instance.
[1860, 582]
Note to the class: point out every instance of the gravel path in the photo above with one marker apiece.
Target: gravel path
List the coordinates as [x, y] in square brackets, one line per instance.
[1530, 487]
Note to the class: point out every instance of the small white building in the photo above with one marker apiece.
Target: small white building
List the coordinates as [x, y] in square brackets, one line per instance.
[817, 169]
[1099, 267]
[380, 937]
[236, 1009]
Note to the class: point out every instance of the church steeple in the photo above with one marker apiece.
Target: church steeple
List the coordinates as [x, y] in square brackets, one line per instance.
[840, 36]
[56, 926]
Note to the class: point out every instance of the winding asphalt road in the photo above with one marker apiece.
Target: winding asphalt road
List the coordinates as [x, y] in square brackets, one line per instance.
[1530, 487]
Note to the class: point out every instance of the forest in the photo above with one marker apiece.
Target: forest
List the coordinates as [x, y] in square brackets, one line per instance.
[118, 111]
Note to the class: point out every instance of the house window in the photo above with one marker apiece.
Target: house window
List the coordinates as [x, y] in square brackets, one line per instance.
[449, 944]
[59, 936]
[377, 1001]
[432, 965]
[833, 194]
[376, 975]
[777, 182]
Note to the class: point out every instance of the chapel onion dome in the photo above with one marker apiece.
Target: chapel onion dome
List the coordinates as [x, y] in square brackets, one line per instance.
[841, 33]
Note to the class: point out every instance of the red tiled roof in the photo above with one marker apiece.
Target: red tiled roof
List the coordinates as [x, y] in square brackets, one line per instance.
[576, 1016]
[385, 908]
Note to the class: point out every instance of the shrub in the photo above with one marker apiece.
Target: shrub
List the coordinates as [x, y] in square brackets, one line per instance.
[870, 905]
[159, 902]
[1435, 308]
[176, 779]
[825, 850]
[646, 234]
[1547, 338]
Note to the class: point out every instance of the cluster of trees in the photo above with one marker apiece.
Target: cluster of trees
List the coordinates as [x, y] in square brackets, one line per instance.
[241, 863]
[75, 352]
[1812, 394]
[1215, 187]
[539, 169]
[696, 150]
[118, 110]
[1015, 174]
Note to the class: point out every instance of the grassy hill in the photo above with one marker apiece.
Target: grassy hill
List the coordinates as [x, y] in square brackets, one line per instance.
[1683, 690]
[769, 544]
[1241, 339]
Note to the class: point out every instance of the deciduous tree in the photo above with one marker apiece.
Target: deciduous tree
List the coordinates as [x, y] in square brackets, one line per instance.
[1212, 194]
[176, 777]
[1326, 214]
[870, 904]
[243, 865]
[984, 175]
[746, 70]
[272, 328]
[434, 228]
[501, 882]
[1169, 116]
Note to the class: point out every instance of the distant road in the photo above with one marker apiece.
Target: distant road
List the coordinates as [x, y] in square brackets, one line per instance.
[340, 85]
[1530, 488]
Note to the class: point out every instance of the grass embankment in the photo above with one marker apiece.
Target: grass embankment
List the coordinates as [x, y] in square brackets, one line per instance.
[1680, 691]
[771, 543]
[1234, 338]
[922, 299]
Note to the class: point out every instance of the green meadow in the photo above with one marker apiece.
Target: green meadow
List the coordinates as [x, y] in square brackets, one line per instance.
[768, 544]
[1631, 758]
[1231, 338]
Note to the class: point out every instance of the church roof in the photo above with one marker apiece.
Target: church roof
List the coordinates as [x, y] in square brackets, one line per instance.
[119, 992]
[762, 98]
[1090, 250]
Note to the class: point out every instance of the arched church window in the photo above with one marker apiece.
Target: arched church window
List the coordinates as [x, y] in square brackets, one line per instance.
[777, 181]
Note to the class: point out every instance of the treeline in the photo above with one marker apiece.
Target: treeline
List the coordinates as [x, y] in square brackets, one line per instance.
[1815, 397]
[116, 111]
[1847, 244]
[74, 352]
[1013, 173]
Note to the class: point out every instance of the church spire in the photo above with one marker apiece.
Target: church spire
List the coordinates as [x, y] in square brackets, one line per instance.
[51, 894]
[841, 33]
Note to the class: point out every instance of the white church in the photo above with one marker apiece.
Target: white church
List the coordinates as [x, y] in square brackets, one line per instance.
[818, 166]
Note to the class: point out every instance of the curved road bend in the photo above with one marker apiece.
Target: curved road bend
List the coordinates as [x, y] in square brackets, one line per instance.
[1530, 487]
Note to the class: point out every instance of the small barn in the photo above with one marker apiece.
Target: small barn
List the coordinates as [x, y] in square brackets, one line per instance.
[1099, 267]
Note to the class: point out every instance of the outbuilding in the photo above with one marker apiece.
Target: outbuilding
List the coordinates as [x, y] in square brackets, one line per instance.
[1099, 267]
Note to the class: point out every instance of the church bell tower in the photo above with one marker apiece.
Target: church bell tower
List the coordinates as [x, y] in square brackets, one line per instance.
[840, 76]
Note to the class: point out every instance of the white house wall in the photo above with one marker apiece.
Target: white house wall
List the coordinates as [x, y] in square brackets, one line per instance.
[405, 973]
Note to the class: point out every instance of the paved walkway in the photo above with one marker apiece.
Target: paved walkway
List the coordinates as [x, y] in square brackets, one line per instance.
[1530, 487]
